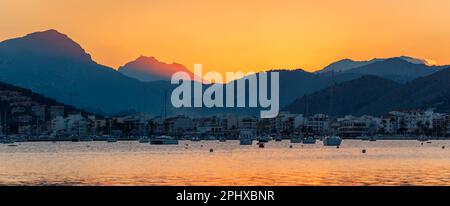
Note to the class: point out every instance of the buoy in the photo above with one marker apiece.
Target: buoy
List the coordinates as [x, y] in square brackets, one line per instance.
[290, 146]
[364, 151]
[211, 150]
[201, 145]
[443, 147]
[337, 147]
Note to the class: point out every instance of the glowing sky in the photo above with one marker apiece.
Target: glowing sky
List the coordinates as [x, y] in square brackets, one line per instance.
[231, 35]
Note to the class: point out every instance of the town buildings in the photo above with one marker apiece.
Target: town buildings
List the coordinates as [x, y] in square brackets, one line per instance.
[23, 116]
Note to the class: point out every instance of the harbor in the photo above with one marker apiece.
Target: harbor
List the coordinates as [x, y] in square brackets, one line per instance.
[355, 162]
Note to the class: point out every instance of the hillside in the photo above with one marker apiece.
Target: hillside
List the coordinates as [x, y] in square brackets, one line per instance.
[348, 98]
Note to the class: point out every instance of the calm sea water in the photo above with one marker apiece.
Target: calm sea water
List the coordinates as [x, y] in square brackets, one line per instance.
[132, 163]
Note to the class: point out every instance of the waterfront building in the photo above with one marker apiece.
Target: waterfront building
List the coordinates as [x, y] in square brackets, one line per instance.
[318, 124]
[353, 127]
[178, 125]
[56, 111]
[213, 126]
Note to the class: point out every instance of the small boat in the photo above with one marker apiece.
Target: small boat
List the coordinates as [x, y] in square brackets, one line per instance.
[309, 140]
[245, 141]
[74, 139]
[144, 139]
[222, 139]
[264, 139]
[364, 138]
[211, 138]
[296, 140]
[111, 139]
[164, 140]
[6, 140]
[423, 138]
[261, 145]
[332, 141]
[195, 139]
[373, 139]
[87, 139]
[278, 139]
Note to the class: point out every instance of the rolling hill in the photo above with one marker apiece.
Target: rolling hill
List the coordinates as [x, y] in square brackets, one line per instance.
[350, 97]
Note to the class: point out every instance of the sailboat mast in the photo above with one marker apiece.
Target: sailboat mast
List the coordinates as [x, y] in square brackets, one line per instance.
[330, 108]
[165, 104]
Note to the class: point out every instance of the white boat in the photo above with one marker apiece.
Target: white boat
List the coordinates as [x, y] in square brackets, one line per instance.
[195, 139]
[264, 138]
[309, 140]
[164, 140]
[423, 138]
[245, 141]
[332, 141]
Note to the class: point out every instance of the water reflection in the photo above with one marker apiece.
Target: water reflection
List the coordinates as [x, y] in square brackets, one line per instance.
[132, 163]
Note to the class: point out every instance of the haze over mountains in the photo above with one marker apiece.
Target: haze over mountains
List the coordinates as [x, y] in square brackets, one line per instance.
[52, 64]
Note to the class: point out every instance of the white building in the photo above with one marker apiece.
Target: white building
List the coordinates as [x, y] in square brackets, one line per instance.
[74, 124]
[408, 122]
[56, 111]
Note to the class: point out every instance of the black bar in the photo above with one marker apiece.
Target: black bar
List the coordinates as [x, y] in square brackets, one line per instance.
[168, 194]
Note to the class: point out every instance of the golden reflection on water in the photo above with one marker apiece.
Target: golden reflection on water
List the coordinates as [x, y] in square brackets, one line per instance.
[132, 163]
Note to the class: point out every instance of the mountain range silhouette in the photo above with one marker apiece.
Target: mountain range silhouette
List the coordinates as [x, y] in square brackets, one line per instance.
[52, 64]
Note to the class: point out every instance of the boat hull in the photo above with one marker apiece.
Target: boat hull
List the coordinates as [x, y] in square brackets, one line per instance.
[309, 140]
[332, 141]
[246, 142]
[164, 142]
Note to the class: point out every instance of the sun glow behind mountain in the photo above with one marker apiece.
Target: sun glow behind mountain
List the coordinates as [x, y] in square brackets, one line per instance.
[237, 35]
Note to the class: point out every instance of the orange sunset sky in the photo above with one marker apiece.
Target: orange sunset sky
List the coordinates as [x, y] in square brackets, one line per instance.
[246, 35]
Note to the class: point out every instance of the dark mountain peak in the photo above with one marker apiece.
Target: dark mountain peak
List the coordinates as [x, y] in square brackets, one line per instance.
[50, 43]
[148, 69]
[398, 60]
[400, 69]
[143, 58]
[288, 71]
[53, 33]
[147, 60]
[345, 60]
[345, 65]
